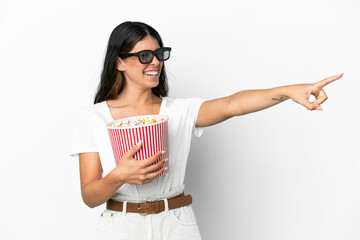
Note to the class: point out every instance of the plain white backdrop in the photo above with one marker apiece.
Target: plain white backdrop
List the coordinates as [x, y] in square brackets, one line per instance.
[279, 174]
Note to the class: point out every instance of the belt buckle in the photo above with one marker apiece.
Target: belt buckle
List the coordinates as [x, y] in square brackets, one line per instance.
[143, 203]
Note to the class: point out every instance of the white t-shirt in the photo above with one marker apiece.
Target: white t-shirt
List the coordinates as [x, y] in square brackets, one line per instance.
[91, 135]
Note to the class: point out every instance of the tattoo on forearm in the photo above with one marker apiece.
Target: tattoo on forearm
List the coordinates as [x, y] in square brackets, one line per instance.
[278, 99]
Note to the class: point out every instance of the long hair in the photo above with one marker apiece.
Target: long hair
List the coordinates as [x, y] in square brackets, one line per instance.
[122, 40]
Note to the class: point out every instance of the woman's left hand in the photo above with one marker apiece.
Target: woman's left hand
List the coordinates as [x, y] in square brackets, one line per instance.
[300, 93]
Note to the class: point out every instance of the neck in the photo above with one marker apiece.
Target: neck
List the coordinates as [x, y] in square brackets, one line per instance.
[136, 98]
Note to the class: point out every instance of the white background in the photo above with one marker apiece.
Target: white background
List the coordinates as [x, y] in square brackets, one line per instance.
[282, 173]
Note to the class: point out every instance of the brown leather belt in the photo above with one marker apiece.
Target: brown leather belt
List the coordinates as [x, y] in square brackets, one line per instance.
[146, 208]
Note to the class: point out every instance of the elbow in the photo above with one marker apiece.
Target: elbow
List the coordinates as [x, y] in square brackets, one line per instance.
[89, 203]
[91, 206]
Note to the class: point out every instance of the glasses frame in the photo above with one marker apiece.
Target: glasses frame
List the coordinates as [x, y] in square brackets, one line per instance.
[154, 53]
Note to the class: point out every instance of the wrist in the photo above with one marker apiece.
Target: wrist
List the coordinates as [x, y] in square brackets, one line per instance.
[113, 179]
[280, 93]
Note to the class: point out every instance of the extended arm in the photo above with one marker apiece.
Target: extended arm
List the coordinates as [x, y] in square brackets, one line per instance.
[255, 100]
[244, 102]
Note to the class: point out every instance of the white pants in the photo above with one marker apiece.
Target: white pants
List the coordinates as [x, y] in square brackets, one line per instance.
[173, 224]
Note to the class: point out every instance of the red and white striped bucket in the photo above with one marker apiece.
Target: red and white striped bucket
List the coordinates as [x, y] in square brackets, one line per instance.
[154, 137]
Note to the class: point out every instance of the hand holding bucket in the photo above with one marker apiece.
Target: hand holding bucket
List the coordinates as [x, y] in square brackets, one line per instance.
[132, 171]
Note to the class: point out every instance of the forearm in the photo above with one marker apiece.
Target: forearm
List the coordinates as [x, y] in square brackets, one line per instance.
[99, 191]
[249, 101]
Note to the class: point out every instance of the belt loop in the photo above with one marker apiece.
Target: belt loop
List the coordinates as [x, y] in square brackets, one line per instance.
[166, 205]
[124, 207]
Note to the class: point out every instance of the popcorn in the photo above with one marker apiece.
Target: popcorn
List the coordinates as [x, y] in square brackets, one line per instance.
[138, 122]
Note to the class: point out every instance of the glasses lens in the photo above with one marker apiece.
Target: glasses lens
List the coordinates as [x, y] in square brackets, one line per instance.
[163, 54]
[146, 56]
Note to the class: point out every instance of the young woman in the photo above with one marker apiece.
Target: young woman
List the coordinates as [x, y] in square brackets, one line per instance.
[139, 204]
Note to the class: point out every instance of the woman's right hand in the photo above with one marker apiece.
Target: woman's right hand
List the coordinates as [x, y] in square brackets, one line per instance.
[130, 170]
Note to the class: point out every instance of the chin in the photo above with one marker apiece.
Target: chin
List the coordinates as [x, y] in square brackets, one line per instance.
[155, 85]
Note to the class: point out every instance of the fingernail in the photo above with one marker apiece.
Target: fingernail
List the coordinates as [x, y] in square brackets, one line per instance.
[139, 143]
[165, 168]
[319, 108]
[162, 152]
[166, 159]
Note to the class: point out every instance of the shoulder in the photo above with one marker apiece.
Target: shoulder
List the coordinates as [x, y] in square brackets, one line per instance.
[92, 111]
[184, 106]
[183, 101]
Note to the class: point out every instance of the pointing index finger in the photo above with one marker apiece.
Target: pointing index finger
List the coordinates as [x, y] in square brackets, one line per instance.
[326, 81]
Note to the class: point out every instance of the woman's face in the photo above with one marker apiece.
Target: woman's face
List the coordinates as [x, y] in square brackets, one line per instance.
[141, 75]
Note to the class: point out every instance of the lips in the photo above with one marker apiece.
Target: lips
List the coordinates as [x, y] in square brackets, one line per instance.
[151, 73]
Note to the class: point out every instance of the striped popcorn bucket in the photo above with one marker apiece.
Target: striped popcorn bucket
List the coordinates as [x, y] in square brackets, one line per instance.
[153, 135]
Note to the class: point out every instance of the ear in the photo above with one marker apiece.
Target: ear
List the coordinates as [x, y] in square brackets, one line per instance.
[120, 64]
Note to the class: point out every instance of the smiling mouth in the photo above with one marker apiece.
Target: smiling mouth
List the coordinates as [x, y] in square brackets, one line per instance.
[151, 73]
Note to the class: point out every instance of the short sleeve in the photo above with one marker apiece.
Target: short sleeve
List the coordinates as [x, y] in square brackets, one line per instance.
[82, 136]
[193, 111]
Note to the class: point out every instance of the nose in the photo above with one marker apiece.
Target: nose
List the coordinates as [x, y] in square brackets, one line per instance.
[155, 61]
